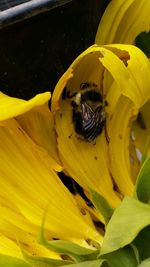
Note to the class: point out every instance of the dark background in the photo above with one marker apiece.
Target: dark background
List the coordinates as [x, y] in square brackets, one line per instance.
[34, 53]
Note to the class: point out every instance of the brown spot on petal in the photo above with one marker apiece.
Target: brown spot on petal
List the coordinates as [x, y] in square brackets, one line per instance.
[83, 211]
[25, 245]
[93, 243]
[120, 136]
[66, 257]
[69, 136]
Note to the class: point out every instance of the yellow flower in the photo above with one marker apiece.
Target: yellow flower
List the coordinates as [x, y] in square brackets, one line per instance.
[37, 143]
[116, 69]
[123, 21]
[29, 184]
[127, 19]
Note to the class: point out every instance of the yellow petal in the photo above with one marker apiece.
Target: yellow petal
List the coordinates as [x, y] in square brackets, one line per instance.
[133, 80]
[73, 80]
[38, 123]
[126, 91]
[14, 226]
[60, 85]
[9, 248]
[25, 240]
[122, 21]
[119, 131]
[140, 139]
[86, 162]
[34, 186]
[36, 119]
[119, 73]
[142, 132]
[93, 212]
[11, 106]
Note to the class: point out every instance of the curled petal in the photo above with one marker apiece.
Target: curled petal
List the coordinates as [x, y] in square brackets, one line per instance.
[119, 131]
[132, 84]
[86, 162]
[126, 90]
[132, 77]
[123, 21]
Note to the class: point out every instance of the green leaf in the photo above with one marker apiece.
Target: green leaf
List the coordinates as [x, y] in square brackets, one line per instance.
[127, 221]
[96, 263]
[124, 257]
[142, 243]
[75, 251]
[145, 263]
[143, 42]
[102, 205]
[136, 252]
[142, 188]
[43, 261]
[7, 261]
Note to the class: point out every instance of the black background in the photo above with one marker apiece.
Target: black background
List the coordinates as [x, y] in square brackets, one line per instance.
[34, 53]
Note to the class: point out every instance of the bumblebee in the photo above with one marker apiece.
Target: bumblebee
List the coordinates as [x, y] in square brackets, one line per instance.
[88, 111]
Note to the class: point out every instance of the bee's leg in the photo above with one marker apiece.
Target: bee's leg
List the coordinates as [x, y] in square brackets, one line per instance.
[87, 85]
[66, 94]
[84, 85]
[71, 96]
[105, 103]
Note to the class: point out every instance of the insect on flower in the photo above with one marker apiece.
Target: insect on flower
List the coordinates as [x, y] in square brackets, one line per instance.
[88, 111]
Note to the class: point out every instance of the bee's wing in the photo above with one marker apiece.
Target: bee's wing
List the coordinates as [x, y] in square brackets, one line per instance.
[92, 122]
[87, 112]
[97, 126]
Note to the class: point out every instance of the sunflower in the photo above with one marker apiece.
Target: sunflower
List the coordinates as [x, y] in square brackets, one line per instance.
[95, 136]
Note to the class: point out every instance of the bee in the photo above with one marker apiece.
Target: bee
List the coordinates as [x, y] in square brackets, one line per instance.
[88, 112]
